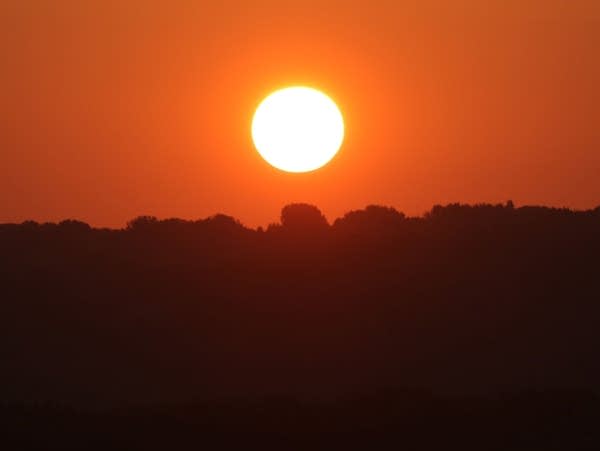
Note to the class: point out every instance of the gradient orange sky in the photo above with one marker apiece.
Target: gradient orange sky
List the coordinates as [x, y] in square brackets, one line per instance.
[113, 109]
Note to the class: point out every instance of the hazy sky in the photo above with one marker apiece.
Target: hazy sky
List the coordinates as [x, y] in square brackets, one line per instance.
[112, 109]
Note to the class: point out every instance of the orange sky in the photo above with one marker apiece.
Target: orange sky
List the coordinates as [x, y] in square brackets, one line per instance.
[111, 109]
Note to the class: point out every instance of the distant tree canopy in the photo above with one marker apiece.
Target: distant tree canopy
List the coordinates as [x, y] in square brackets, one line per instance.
[302, 216]
[371, 216]
[74, 226]
[142, 223]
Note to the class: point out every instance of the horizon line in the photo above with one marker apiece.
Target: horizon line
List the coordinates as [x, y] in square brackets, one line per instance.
[508, 205]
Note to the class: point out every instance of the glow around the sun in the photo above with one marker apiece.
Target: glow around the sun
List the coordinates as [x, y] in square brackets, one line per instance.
[298, 129]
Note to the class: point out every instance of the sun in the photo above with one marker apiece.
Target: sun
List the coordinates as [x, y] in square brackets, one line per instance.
[298, 129]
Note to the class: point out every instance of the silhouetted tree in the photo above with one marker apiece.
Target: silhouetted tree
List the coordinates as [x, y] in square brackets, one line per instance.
[301, 216]
[74, 226]
[142, 223]
[372, 216]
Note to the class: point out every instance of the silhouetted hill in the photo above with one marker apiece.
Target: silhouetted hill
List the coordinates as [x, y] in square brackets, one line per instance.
[466, 300]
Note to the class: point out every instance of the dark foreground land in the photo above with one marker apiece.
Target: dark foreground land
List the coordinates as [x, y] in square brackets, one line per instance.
[557, 420]
[473, 327]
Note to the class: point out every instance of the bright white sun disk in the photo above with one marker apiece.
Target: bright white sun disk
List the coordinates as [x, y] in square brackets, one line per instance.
[298, 129]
